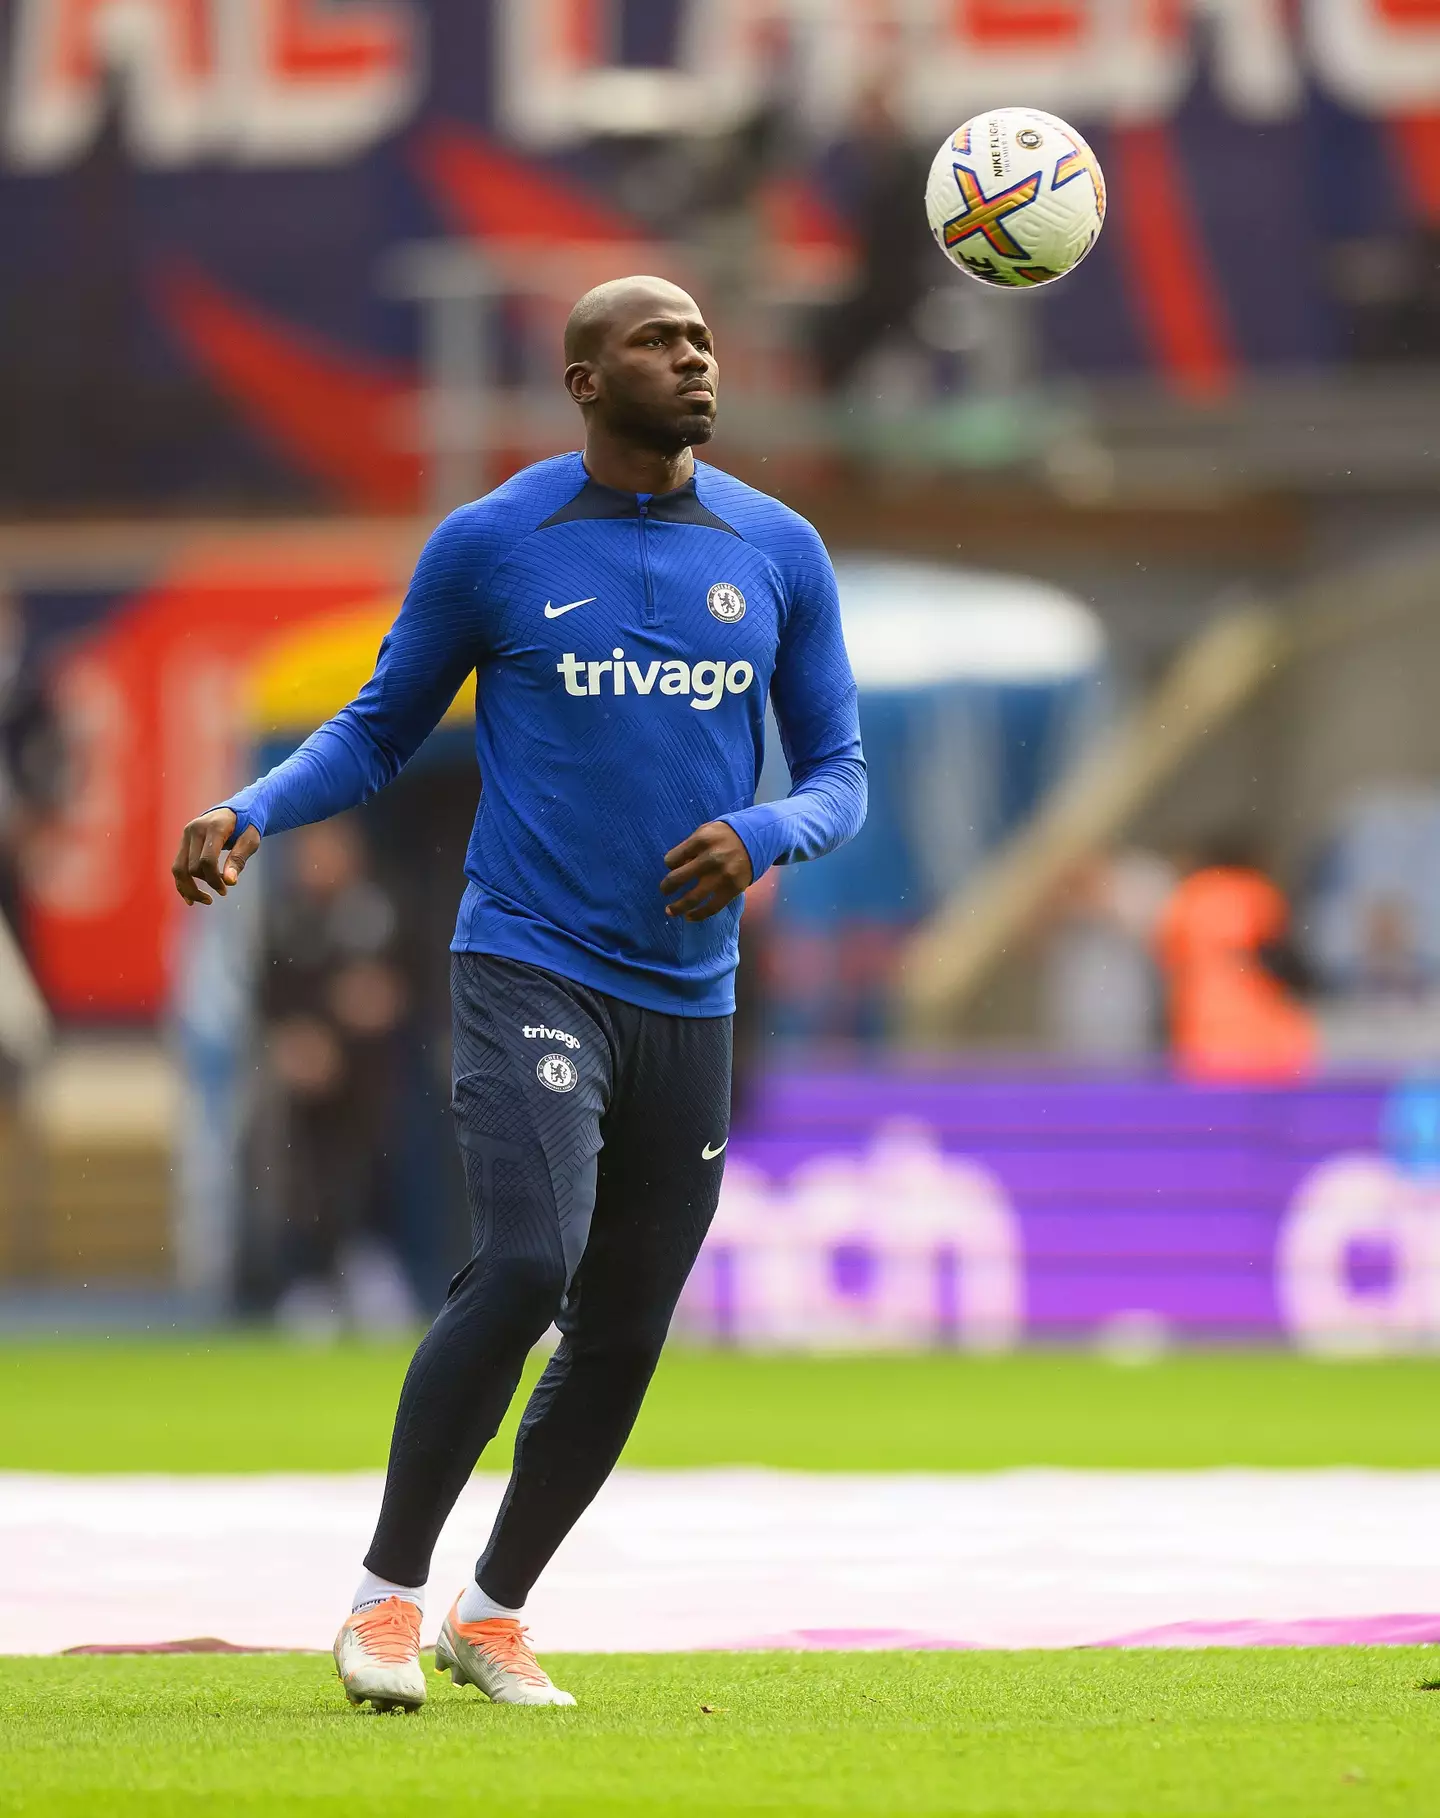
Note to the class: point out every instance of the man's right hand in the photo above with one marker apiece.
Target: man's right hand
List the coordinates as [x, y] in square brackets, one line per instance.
[202, 858]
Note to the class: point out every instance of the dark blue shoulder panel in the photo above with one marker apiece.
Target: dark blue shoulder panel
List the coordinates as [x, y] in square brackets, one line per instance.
[683, 506]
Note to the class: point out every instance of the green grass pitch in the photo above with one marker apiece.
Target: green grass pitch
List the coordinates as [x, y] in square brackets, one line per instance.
[1148, 1735]
[1273, 1733]
[252, 1404]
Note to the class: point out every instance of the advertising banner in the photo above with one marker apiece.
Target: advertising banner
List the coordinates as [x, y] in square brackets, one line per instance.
[912, 1210]
[152, 697]
[204, 203]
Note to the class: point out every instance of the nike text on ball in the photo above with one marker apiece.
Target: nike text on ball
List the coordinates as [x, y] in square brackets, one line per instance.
[707, 681]
[1015, 197]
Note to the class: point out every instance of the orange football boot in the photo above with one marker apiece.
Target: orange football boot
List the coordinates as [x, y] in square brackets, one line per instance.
[377, 1655]
[495, 1657]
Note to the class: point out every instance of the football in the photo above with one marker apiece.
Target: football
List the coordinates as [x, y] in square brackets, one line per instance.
[1015, 197]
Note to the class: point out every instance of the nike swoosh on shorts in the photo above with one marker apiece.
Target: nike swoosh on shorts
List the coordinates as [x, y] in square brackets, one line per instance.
[555, 612]
[709, 1154]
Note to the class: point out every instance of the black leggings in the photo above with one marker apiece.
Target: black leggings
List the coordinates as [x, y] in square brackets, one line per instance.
[591, 1132]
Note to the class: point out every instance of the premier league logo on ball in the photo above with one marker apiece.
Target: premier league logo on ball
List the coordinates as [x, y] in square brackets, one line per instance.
[1016, 197]
[726, 602]
[557, 1072]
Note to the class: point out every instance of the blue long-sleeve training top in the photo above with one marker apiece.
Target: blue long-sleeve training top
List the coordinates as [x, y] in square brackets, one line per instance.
[624, 647]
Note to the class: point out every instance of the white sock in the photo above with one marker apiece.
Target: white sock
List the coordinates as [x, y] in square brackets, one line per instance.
[475, 1606]
[375, 1590]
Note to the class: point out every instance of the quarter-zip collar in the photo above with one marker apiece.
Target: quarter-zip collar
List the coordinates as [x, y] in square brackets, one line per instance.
[683, 505]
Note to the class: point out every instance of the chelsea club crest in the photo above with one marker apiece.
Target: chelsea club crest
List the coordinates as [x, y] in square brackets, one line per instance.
[726, 602]
[557, 1072]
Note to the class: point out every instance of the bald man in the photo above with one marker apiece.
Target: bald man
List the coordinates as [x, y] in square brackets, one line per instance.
[626, 613]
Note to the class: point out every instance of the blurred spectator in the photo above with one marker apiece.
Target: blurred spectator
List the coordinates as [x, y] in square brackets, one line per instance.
[1389, 960]
[728, 170]
[1376, 910]
[882, 175]
[31, 757]
[1389, 292]
[333, 1000]
[16, 714]
[1101, 987]
[1376, 930]
[1232, 974]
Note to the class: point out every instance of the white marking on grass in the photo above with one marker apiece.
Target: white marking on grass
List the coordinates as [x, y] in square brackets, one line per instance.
[692, 1559]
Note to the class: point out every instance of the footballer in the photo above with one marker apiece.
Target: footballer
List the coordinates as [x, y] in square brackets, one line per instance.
[627, 613]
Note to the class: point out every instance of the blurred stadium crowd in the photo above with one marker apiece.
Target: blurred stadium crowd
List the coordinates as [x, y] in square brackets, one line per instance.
[1138, 578]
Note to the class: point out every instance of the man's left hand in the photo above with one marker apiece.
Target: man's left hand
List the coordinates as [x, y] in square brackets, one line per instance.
[707, 871]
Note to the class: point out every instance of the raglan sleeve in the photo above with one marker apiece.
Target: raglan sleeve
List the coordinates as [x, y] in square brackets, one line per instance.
[813, 693]
[435, 642]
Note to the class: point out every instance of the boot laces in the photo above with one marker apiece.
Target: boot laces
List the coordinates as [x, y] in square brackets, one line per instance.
[507, 1645]
[390, 1630]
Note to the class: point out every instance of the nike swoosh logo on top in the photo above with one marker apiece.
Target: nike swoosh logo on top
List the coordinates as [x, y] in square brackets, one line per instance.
[709, 1154]
[555, 612]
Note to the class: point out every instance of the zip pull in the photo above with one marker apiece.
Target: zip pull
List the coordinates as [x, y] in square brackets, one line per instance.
[643, 508]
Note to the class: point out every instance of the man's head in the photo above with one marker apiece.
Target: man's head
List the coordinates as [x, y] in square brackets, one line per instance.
[641, 362]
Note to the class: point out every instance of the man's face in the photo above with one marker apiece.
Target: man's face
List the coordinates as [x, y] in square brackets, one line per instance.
[654, 378]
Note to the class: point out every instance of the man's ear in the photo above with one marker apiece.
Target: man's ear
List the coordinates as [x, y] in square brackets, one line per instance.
[580, 381]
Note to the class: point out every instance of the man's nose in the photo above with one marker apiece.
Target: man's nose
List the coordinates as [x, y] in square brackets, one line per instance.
[693, 357]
